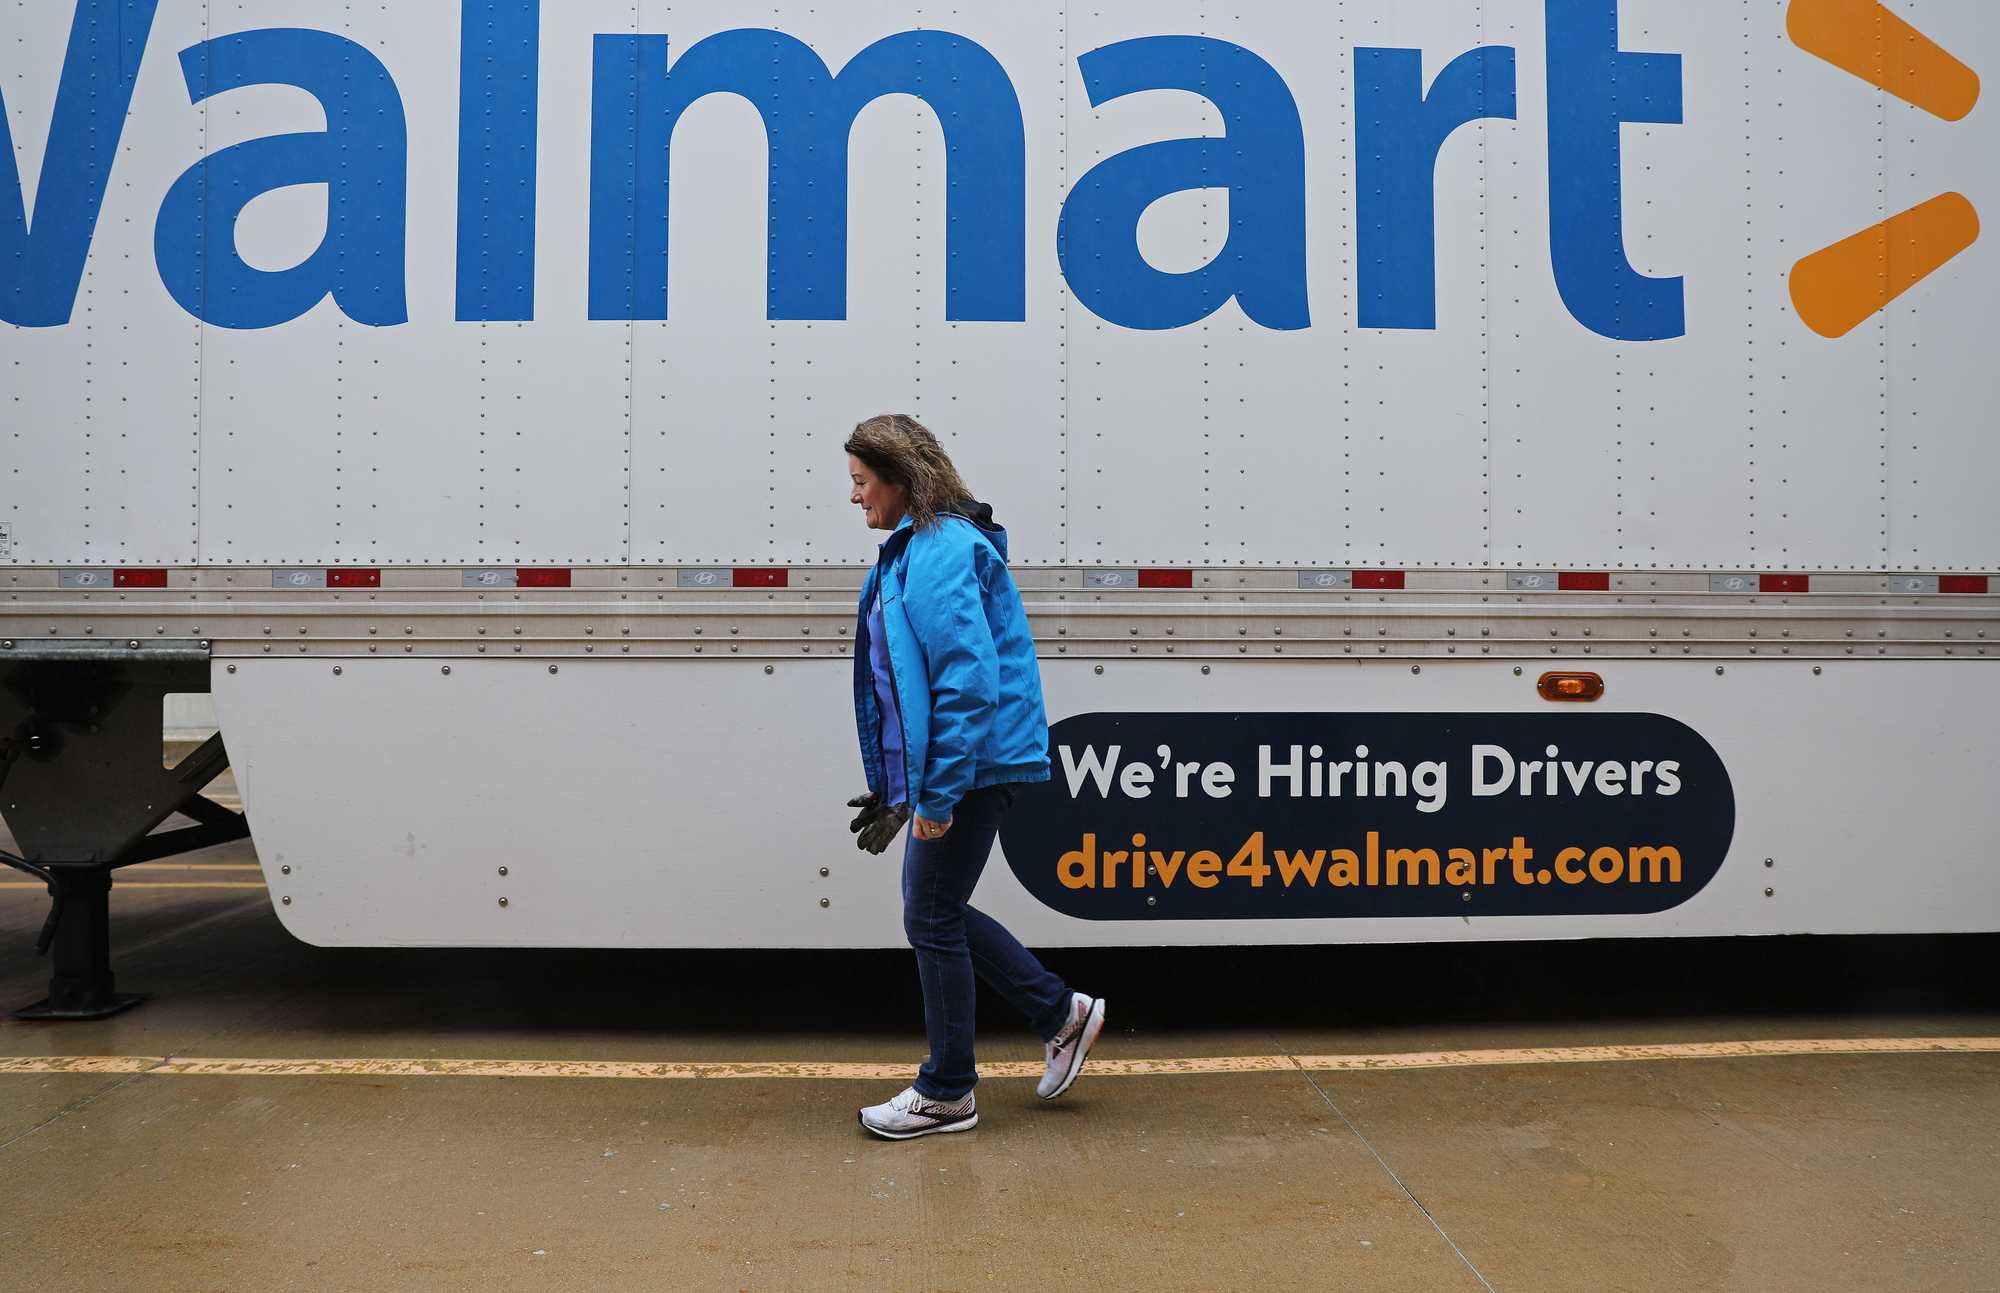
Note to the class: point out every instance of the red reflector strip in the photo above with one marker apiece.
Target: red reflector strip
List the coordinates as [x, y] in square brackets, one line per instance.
[541, 577]
[1784, 583]
[1166, 579]
[1584, 581]
[1378, 579]
[760, 577]
[354, 578]
[1962, 583]
[131, 577]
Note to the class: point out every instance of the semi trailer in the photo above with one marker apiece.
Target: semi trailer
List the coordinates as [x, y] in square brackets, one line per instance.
[1476, 469]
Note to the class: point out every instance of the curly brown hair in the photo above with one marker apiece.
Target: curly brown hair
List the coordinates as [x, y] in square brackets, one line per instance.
[901, 451]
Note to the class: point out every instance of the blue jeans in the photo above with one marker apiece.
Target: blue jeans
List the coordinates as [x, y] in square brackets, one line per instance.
[954, 943]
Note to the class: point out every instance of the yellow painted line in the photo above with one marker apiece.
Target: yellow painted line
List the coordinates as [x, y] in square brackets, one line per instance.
[120, 886]
[80, 1064]
[154, 868]
[201, 866]
[1660, 1051]
[681, 1069]
[810, 1070]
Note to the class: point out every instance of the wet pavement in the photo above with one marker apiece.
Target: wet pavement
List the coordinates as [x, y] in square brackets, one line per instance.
[1801, 1171]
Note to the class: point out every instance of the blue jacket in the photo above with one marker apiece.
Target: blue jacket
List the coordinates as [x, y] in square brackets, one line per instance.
[963, 659]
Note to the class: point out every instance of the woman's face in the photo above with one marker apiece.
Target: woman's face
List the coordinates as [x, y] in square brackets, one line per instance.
[881, 504]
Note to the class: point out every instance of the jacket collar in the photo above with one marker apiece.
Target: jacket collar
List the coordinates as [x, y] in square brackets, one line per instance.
[886, 576]
[978, 514]
[898, 536]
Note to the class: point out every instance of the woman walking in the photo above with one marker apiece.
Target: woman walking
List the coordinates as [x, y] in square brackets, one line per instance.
[948, 701]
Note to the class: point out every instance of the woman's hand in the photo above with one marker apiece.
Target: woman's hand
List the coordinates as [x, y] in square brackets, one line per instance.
[926, 829]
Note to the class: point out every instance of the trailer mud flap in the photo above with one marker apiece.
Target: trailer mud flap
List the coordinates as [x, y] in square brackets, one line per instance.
[1302, 815]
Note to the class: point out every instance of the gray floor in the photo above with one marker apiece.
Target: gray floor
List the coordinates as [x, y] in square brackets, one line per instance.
[1805, 1172]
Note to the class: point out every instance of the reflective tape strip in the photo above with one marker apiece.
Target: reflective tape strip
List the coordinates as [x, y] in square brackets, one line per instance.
[1923, 585]
[119, 577]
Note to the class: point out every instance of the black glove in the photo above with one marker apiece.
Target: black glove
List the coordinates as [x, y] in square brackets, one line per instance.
[876, 824]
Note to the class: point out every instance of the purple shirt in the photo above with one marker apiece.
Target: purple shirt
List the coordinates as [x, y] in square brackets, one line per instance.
[898, 790]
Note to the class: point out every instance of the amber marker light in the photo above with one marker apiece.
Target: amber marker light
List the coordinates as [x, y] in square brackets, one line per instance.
[1570, 686]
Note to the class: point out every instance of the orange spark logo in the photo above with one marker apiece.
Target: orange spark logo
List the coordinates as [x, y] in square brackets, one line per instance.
[1838, 288]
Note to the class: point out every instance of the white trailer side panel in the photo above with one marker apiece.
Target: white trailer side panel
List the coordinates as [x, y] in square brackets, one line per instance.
[1509, 434]
[1938, 465]
[694, 803]
[99, 460]
[1454, 461]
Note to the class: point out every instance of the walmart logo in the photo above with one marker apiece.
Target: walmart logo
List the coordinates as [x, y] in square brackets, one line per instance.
[639, 85]
[1838, 288]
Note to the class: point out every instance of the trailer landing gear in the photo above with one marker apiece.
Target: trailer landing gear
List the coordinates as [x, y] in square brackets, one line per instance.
[82, 789]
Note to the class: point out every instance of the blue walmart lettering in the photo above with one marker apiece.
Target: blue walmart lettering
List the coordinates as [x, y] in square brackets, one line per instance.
[360, 157]
[1260, 160]
[637, 101]
[638, 97]
[1593, 88]
[499, 77]
[1398, 132]
[43, 261]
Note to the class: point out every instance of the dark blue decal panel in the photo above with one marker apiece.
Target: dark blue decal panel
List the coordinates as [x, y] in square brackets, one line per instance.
[1205, 816]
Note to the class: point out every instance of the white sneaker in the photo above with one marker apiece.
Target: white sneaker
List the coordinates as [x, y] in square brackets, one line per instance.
[1065, 1053]
[907, 1115]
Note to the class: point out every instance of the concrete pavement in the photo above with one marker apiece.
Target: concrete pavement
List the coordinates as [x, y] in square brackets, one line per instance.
[1821, 1171]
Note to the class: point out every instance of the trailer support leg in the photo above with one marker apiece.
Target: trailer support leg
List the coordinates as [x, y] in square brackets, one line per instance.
[81, 985]
[84, 792]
